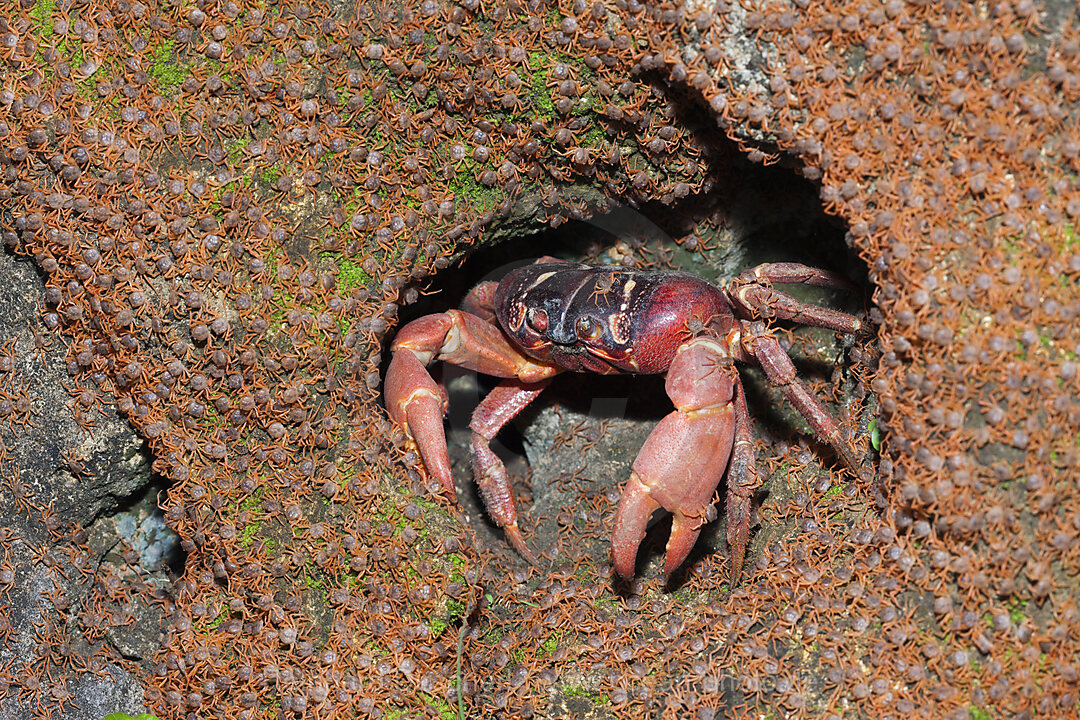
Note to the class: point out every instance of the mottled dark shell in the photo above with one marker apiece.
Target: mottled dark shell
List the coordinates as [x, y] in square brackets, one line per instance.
[638, 318]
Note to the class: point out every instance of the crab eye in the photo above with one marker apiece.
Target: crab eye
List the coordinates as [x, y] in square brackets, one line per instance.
[536, 319]
[587, 328]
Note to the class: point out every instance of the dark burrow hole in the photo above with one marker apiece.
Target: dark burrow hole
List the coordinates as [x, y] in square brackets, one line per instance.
[753, 214]
[141, 523]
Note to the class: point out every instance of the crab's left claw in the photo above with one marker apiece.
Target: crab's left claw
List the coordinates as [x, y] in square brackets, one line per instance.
[631, 521]
[684, 458]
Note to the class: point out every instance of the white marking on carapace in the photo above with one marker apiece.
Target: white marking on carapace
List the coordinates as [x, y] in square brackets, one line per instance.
[540, 279]
[517, 316]
[627, 288]
[619, 325]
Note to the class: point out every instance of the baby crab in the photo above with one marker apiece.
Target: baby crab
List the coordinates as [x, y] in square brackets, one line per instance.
[552, 316]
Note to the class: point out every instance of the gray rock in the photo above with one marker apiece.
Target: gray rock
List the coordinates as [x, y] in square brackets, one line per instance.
[86, 476]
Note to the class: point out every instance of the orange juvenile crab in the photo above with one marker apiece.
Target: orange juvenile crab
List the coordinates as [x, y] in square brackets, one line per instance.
[552, 316]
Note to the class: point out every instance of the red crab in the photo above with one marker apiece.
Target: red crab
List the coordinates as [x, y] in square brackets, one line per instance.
[552, 316]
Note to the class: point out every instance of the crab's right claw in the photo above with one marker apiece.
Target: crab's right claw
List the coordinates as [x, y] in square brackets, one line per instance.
[417, 404]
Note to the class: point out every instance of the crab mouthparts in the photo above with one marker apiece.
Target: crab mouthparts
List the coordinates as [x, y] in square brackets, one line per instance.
[576, 357]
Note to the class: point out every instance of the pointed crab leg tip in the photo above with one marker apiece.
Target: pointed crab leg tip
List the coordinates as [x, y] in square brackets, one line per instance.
[736, 571]
[436, 462]
[513, 534]
[851, 459]
[424, 423]
[669, 569]
[438, 466]
[737, 548]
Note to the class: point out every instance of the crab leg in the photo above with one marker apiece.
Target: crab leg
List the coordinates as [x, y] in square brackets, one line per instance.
[500, 407]
[766, 350]
[742, 482]
[788, 272]
[683, 459]
[754, 295]
[480, 301]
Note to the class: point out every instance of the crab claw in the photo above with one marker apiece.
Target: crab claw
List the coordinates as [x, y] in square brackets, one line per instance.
[413, 399]
[417, 404]
[631, 520]
[683, 460]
